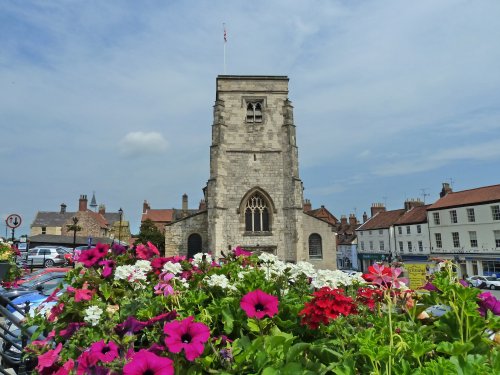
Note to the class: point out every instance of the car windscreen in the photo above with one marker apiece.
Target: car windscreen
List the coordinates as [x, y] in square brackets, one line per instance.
[43, 278]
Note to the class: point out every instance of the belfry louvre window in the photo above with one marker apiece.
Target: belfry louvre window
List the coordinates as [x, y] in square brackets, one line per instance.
[256, 214]
[254, 112]
[315, 247]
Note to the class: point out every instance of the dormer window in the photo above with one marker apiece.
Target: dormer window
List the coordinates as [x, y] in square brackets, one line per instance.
[254, 112]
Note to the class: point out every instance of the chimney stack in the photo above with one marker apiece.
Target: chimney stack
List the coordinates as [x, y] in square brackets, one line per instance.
[411, 203]
[102, 209]
[446, 189]
[82, 203]
[145, 206]
[63, 208]
[352, 219]
[203, 205]
[307, 205]
[376, 208]
[343, 220]
[184, 202]
[365, 217]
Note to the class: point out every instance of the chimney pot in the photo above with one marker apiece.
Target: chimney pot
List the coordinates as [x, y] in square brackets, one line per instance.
[307, 205]
[82, 203]
[184, 202]
[145, 206]
[376, 208]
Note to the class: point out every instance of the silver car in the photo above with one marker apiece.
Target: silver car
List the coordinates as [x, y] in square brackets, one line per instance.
[46, 256]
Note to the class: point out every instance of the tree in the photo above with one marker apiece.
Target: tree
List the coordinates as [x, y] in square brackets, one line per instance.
[150, 232]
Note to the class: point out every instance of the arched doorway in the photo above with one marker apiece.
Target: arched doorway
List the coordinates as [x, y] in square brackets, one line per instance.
[194, 245]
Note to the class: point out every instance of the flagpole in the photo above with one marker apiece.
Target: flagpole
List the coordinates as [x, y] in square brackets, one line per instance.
[225, 40]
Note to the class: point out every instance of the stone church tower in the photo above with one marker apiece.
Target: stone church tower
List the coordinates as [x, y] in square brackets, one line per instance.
[254, 195]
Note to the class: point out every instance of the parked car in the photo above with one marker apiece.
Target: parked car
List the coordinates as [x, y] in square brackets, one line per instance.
[44, 282]
[36, 274]
[46, 256]
[36, 298]
[484, 282]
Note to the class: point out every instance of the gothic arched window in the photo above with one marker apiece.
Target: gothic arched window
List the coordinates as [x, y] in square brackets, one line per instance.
[256, 214]
[254, 112]
[315, 246]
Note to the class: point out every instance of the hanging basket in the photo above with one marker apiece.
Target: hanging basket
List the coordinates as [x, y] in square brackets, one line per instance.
[4, 270]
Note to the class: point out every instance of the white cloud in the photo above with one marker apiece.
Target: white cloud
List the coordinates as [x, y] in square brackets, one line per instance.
[141, 143]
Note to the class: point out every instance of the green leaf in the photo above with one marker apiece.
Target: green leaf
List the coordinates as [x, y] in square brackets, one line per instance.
[454, 348]
[270, 371]
[228, 320]
[106, 290]
[297, 351]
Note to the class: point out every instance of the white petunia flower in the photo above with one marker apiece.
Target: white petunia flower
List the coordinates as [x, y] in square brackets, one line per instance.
[124, 272]
[93, 315]
[221, 281]
[171, 267]
[198, 258]
[144, 265]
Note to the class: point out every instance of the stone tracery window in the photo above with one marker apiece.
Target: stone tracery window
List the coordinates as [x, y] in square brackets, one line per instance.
[254, 112]
[256, 214]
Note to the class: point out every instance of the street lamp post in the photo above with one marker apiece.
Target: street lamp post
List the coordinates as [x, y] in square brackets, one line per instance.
[75, 228]
[120, 211]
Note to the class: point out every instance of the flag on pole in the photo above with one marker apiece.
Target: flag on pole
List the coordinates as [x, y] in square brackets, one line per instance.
[225, 33]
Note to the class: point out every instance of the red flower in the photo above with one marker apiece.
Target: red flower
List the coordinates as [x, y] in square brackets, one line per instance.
[379, 275]
[369, 296]
[258, 304]
[188, 335]
[327, 304]
[144, 362]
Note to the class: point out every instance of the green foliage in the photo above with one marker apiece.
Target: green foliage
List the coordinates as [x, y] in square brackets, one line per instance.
[150, 232]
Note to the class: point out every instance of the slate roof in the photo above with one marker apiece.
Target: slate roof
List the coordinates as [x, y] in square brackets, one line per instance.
[51, 219]
[416, 215]
[481, 195]
[382, 220]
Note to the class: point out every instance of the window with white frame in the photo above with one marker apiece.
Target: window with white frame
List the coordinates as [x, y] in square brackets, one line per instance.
[473, 238]
[495, 212]
[315, 246]
[497, 238]
[362, 244]
[401, 248]
[453, 216]
[455, 236]
[439, 240]
[370, 232]
[419, 228]
[410, 246]
[471, 215]
[420, 246]
[408, 230]
[400, 230]
[380, 231]
[371, 245]
[381, 245]
[437, 219]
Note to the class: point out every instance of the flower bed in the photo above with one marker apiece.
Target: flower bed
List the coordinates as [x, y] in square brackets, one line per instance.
[134, 312]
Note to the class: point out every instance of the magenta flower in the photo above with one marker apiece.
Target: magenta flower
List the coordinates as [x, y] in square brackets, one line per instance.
[430, 287]
[86, 363]
[104, 352]
[70, 329]
[89, 257]
[188, 335]
[130, 325]
[55, 311]
[48, 359]
[102, 249]
[488, 301]
[118, 249]
[144, 362]
[239, 251]
[66, 368]
[81, 294]
[146, 252]
[258, 304]
[108, 267]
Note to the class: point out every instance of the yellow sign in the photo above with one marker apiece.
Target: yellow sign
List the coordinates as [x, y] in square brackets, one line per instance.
[416, 275]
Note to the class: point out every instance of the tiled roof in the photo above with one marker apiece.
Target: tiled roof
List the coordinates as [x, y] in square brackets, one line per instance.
[414, 216]
[383, 219]
[324, 214]
[159, 215]
[51, 219]
[480, 195]
[66, 240]
[98, 218]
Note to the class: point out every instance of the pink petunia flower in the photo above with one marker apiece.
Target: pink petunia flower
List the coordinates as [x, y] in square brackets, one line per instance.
[70, 329]
[48, 359]
[146, 252]
[55, 311]
[89, 257]
[118, 249]
[239, 251]
[144, 362]
[81, 294]
[488, 301]
[188, 335]
[258, 304]
[102, 249]
[104, 352]
[108, 267]
[66, 368]
[378, 274]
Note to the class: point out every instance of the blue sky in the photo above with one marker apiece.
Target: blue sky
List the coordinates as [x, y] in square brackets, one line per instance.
[392, 98]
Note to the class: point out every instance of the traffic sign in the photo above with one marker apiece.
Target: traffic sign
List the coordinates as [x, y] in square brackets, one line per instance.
[13, 221]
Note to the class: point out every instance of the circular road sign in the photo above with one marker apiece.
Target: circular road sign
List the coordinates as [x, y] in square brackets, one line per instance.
[13, 221]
